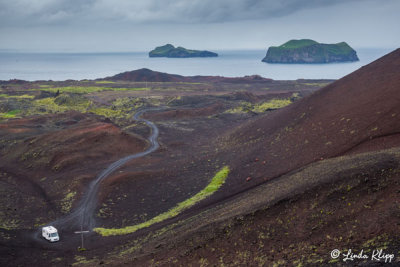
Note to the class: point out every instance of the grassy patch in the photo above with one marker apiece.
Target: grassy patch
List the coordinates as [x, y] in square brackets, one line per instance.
[10, 224]
[72, 100]
[107, 112]
[66, 203]
[76, 89]
[214, 185]
[50, 105]
[317, 84]
[17, 96]
[9, 115]
[81, 260]
[120, 108]
[272, 104]
[45, 105]
[89, 89]
[23, 96]
[294, 44]
[104, 82]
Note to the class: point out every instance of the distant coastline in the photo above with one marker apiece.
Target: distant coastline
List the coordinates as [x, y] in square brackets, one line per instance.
[230, 63]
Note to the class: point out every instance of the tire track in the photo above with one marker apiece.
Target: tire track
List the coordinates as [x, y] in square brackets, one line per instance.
[83, 215]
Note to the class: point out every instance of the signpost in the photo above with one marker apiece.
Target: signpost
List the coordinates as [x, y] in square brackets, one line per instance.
[81, 232]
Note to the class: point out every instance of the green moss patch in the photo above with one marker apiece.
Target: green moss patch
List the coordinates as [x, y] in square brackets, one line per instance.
[9, 115]
[104, 82]
[107, 112]
[66, 203]
[272, 104]
[89, 89]
[121, 108]
[17, 96]
[293, 44]
[59, 104]
[217, 181]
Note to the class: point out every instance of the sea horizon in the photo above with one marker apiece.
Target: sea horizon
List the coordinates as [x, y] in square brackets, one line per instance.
[60, 66]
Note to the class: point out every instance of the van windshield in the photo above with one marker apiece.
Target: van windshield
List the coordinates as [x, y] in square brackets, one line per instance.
[53, 235]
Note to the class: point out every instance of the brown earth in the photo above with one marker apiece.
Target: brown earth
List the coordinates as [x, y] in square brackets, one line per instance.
[359, 110]
[349, 202]
[47, 153]
[355, 114]
[320, 174]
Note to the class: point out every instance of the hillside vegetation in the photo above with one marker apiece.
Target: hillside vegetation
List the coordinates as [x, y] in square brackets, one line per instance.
[169, 50]
[310, 51]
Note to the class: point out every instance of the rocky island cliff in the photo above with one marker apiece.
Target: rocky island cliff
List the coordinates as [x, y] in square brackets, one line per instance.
[169, 50]
[309, 51]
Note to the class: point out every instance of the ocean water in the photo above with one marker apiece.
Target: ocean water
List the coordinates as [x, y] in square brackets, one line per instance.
[78, 66]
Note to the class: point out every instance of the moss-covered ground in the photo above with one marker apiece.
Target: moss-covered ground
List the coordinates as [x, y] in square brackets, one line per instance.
[216, 182]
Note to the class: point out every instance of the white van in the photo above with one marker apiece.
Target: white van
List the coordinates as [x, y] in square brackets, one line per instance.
[50, 233]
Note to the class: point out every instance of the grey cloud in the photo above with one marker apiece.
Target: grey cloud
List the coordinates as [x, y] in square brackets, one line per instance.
[42, 12]
[103, 25]
[47, 12]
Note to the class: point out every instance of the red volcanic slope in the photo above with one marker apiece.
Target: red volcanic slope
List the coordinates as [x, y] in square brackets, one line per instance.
[143, 75]
[72, 139]
[359, 112]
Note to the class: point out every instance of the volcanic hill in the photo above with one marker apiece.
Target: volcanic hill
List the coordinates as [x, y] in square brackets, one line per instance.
[319, 174]
[147, 75]
[356, 113]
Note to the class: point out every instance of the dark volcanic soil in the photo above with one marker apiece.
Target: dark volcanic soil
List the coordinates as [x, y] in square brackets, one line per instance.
[319, 174]
[43, 159]
[357, 113]
[343, 202]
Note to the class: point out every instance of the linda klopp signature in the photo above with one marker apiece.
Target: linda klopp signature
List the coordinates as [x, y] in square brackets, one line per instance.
[377, 255]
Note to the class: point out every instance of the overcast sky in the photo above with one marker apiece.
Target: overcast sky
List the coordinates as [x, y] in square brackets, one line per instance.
[140, 25]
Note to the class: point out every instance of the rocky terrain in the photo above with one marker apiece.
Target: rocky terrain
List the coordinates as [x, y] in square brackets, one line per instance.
[249, 172]
[169, 50]
[143, 75]
[307, 51]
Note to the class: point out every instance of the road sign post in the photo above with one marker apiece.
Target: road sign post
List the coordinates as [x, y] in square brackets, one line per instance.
[81, 232]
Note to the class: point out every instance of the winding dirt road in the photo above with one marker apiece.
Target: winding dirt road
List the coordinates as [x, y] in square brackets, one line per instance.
[83, 215]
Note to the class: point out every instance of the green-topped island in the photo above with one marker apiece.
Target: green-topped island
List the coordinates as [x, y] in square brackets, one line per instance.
[306, 51]
[169, 50]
